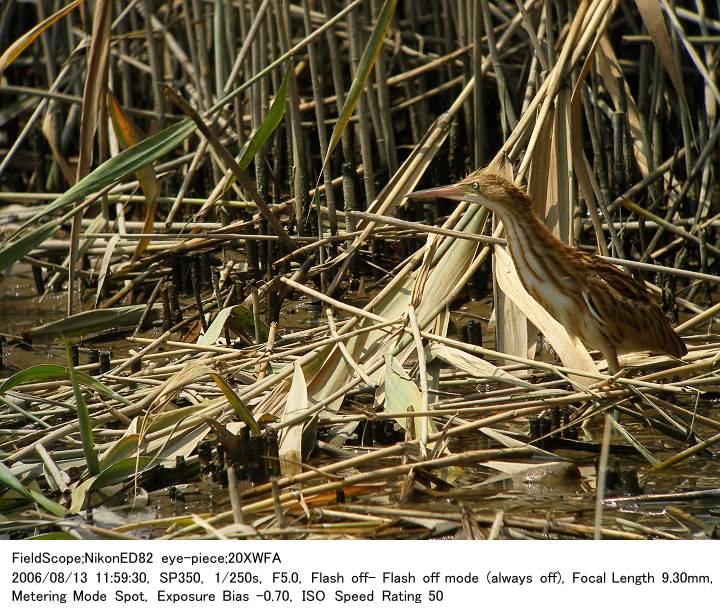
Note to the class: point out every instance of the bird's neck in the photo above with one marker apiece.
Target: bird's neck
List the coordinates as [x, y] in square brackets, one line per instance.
[537, 253]
[523, 227]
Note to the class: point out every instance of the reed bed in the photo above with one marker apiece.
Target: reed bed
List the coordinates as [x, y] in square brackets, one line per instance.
[222, 318]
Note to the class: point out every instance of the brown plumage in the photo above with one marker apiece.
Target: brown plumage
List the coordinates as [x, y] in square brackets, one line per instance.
[595, 301]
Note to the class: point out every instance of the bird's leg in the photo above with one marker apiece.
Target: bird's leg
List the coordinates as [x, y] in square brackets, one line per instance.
[610, 355]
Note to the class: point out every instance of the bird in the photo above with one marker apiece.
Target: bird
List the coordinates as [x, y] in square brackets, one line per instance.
[595, 301]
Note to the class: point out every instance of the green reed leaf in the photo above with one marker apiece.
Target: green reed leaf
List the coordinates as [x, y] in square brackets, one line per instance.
[243, 412]
[86, 434]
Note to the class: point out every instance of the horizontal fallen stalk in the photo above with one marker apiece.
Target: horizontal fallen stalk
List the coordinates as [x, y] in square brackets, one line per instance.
[405, 224]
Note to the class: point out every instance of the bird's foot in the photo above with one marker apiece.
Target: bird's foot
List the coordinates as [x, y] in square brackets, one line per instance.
[611, 379]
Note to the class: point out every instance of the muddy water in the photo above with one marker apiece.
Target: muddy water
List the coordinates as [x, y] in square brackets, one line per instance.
[20, 309]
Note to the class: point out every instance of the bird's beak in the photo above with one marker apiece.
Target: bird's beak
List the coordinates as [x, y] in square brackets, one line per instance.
[456, 192]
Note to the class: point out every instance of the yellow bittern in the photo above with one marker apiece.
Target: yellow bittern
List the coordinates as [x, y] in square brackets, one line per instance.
[593, 300]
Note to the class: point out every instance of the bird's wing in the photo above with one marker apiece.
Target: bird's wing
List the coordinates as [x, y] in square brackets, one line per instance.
[614, 280]
[631, 319]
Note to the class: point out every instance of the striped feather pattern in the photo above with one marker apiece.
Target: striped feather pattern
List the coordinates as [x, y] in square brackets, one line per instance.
[595, 301]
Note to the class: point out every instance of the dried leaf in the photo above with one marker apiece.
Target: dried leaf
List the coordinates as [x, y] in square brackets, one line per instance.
[94, 83]
[27, 39]
[478, 367]
[191, 372]
[291, 438]
[129, 135]
[237, 318]
[609, 69]
[105, 265]
[654, 21]
[403, 396]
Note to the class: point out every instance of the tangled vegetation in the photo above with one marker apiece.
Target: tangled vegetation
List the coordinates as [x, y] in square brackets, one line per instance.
[222, 317]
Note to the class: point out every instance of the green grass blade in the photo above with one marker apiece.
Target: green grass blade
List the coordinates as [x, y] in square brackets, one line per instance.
[93, 383]
[243, 412]
[152, 148]
[44, 372]
[41, 372]
[48, 504]
[264, 131]
[57, 535]
[367, 60]
[16, 249]
[18, 409]
[241, 320]
[126, 162]
[123, 470]
[115, 473]
[86, 434]
[8, 479]
[88, 322]
[269, 124]
[294, 51]
[122, 449]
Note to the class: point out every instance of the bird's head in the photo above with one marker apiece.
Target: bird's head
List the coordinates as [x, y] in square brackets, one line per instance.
[484, 187]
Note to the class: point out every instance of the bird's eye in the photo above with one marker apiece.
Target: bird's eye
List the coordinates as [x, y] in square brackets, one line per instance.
[476, 185]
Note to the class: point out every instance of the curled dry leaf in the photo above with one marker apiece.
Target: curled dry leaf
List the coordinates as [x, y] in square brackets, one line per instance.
[290, 438]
